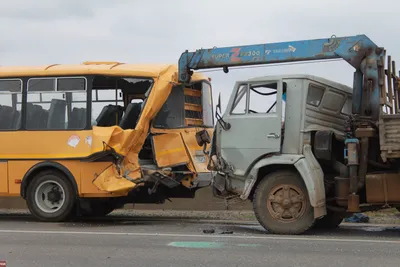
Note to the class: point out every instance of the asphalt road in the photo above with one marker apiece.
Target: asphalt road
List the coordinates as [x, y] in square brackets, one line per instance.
[144, 242]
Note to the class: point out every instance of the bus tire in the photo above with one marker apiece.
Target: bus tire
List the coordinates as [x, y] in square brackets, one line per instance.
[281, 204]
[50, 196]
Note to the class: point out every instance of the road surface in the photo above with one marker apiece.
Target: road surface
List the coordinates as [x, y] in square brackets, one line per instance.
[144, 242]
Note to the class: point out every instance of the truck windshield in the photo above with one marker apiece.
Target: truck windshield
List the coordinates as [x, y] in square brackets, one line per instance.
[257, 98]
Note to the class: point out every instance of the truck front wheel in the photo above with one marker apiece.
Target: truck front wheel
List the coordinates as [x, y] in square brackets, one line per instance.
[281, 204]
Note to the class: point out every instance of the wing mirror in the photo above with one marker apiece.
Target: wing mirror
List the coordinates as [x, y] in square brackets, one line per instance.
[218, 107]
[203, 138]
[224, 125]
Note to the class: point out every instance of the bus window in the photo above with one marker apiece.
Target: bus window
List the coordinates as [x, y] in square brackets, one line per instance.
[109, 95]
[103, 101]
[132, 113]
[10, 104]
[56, 103]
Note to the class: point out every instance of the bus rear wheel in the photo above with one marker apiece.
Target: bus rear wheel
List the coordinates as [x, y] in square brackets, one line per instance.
[50, 196]
[281, 204]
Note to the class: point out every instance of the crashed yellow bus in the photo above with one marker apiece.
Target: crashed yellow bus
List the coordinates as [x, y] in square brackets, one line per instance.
[86, 139]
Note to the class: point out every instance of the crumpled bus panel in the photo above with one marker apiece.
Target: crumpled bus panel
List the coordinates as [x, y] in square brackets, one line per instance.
[110, 182]
[170, 150]
[128, 143]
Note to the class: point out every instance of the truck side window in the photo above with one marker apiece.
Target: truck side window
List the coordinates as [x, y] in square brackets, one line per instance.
[347, 107]
[263, 98]
[315, 94]
[239, 104]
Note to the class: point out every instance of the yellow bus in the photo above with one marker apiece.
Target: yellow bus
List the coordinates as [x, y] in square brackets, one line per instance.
[86, 139]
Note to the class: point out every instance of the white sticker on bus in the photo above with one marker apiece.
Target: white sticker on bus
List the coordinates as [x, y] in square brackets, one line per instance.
[88, 140]
[73, 141]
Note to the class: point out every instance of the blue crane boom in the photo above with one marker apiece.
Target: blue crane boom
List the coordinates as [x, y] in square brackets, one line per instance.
[359, 51]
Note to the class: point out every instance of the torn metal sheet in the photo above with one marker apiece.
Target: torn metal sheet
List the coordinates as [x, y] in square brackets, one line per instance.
[171, 148]
[129, 142]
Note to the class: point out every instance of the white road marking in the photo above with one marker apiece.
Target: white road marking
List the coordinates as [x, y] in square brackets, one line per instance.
[269, 237]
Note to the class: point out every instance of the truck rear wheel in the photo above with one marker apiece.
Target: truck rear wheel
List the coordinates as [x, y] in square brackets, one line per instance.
[50, 196]
[281, 204]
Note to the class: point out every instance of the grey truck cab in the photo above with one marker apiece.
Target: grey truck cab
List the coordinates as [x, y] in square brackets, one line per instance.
[280, 144]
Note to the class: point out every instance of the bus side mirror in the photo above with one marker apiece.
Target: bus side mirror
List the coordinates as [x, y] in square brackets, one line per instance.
[203, 138]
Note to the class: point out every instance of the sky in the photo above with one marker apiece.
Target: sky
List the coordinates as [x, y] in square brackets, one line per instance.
[154, 31]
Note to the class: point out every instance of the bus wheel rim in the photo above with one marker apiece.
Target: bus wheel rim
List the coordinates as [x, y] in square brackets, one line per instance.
[50, 196]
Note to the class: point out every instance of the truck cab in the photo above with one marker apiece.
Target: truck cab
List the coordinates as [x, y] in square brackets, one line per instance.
[280, 144]
[318, 164]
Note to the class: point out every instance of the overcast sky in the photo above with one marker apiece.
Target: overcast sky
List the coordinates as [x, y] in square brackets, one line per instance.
[132, 31]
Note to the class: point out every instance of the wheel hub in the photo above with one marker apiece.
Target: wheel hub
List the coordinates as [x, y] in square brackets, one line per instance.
[286, 203]
[49, 196]
[54, 195]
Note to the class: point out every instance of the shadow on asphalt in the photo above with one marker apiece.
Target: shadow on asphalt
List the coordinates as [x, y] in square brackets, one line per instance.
[343, 230]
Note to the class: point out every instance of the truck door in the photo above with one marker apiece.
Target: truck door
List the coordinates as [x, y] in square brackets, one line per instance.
[254, 113]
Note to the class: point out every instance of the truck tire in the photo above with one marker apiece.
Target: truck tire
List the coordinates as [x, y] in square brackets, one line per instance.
[330, 221]
[281, 204]
[50, 196]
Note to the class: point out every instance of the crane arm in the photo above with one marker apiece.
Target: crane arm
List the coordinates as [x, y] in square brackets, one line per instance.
[359, 51]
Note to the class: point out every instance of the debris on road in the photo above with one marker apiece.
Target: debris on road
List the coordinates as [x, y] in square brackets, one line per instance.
[208, 231]
[357, 218]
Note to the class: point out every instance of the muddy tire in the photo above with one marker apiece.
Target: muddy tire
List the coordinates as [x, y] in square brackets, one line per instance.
[50, 196]
[330, 221]
[281, 204]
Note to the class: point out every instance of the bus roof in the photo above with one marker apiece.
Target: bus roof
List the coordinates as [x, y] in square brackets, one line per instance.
[90, 67]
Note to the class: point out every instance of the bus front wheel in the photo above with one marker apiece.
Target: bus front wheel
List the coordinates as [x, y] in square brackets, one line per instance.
[50, 196]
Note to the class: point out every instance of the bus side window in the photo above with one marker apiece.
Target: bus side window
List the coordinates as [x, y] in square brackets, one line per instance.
[107, 101]
[107, 108]
[111, 100]
[132, 114]
[10, 104]
[56, 103]
[76, 96]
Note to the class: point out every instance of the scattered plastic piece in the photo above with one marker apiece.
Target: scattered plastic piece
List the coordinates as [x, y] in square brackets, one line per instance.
[357, 218]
